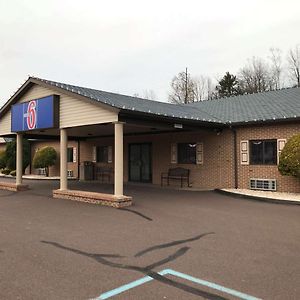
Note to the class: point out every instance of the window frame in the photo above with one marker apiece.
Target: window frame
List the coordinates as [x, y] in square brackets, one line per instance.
[105, 154]
[187, 160]
[68, 154]
[263, 162]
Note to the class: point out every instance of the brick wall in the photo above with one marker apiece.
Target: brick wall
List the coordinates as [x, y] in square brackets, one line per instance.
[245, 172]
[216, 171]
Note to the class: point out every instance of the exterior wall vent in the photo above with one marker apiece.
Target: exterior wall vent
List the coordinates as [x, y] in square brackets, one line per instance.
[70, 173]
[41, 171]
[263, 184]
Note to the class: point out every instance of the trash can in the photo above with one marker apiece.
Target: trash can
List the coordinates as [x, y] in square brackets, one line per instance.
[87, 170]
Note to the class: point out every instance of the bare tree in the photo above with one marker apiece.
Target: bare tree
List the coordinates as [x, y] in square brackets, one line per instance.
[149, 94]
[146, 94]
[211, 91]
[203, 88]
[276, 67]
[255, 76]
[188, 89]
[182, 89]
[293, 60]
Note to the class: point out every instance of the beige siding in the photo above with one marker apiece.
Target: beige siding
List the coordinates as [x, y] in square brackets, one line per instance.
[5, 124]
[73, 112]
[36, 92]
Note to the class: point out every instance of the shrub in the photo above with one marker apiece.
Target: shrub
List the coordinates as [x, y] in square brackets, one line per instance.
[2, 159]
[11, 154]
[13, 173]
[44, 158]
[289, 160]
[6, 171]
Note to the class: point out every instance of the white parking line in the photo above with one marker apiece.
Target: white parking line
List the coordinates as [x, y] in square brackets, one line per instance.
[146, 279]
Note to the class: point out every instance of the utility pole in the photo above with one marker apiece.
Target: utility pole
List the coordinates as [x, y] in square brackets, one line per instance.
[186, 86]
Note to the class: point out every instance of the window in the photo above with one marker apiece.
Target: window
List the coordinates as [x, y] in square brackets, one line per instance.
[187, 153]
[70, 155]
[263, 152]
[102, 154]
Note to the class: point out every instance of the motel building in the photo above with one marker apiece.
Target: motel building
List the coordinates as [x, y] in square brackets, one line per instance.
[226, 143]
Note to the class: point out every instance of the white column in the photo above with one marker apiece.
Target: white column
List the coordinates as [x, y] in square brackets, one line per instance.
[63, 159]
[118, 159]
[19, 159]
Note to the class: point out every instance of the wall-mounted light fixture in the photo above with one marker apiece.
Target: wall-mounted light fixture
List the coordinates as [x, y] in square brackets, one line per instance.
[178, 126]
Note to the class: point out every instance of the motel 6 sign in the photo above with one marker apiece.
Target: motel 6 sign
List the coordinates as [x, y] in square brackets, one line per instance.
[36, 114]
[30, 115]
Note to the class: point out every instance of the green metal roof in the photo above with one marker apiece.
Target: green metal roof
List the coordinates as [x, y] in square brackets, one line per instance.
[267, 106]
[263, 107]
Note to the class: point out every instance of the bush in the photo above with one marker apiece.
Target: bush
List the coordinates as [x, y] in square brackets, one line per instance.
[3, 159]
[11, 154]
[44, 158]
[13, 173]
[289, 160]
[6, 171]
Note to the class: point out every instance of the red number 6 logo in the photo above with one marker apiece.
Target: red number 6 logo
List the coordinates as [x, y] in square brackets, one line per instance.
[31, 115]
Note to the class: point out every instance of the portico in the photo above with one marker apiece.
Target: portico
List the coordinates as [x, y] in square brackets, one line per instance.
[117, 199]
[40, 111]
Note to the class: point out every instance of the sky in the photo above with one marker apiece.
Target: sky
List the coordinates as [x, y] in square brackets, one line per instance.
[131, 46]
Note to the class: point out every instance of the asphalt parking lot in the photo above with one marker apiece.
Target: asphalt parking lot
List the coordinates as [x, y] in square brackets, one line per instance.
[60, 249]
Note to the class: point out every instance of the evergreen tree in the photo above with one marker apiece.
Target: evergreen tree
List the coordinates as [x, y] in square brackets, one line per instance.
[228, 86]
[44, 158]
[11, 150]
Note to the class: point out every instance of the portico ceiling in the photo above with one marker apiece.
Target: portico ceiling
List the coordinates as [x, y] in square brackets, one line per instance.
[101, 130]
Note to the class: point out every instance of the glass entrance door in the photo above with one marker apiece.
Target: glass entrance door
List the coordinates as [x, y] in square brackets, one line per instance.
[140, 166]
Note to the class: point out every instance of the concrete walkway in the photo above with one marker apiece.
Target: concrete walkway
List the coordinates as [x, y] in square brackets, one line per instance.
[35, 177]
[277, 197]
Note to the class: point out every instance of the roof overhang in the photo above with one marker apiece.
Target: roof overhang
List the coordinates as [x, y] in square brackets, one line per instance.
[144, 118]
[264, 122]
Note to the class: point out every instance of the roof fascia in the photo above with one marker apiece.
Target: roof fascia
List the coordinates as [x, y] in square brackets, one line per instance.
[19, 93]
[267, 122]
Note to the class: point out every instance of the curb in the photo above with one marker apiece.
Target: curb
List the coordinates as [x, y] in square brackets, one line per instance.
[256, 198]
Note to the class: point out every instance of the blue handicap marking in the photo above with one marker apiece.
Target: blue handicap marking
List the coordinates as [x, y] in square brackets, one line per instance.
[146, 279]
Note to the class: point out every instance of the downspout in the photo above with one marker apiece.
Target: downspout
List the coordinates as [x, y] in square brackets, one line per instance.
[235, 157]
[78, 159]
[31, 158]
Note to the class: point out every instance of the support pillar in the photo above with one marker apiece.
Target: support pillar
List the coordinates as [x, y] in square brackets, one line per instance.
[63, 159]
[19, 159]
[118, 159]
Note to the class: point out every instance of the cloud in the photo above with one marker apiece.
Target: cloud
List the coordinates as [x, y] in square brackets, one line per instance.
[131, 46]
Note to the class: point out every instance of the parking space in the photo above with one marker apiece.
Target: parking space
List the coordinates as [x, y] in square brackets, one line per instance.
[60, 249]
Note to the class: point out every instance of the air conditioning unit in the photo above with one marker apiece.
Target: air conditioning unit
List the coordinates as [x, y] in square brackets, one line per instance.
[70, 173]
[263, 184]
[42, 171]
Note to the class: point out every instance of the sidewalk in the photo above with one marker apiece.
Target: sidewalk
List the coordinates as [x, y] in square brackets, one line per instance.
[276, 197]
[35, 177]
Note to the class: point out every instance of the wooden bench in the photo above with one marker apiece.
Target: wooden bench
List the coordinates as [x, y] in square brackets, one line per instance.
[104, 172]
[181, 174]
